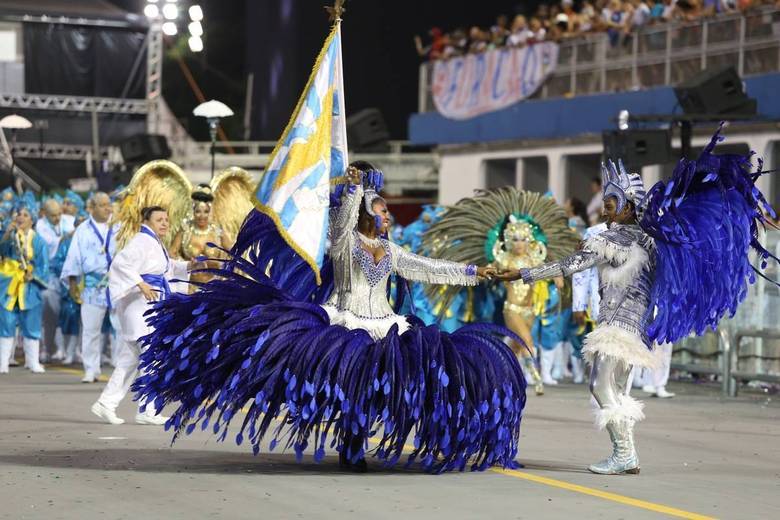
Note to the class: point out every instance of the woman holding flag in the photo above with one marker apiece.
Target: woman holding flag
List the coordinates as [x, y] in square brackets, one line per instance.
[311, 340]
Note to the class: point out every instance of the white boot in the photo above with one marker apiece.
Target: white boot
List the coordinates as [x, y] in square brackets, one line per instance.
[6, 346]
[71, 344]
[548, 358]
[106, 413]
[31, 347]
[577, 369]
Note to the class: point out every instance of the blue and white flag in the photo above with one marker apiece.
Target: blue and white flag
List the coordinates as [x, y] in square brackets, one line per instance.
[295, 188]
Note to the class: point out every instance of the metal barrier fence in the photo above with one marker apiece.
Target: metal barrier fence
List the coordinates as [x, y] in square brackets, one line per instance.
[654, 56]
[747, 346]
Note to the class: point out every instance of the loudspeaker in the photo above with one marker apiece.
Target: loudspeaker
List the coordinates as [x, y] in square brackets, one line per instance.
[715, 91]
[367, 131]
[144, 147]
[638, 148]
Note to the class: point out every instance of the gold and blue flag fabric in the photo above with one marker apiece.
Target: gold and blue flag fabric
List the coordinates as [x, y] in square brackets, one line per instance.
[295, 188]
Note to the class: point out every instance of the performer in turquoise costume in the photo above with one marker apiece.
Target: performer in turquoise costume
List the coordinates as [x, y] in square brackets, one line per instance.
[23, 277]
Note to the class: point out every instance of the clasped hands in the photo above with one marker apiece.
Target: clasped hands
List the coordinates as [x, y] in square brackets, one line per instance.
[499, 275]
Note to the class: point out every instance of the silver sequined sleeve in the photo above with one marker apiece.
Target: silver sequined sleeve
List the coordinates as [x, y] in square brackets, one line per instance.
[575, 263]
[343, 220]
[430, 270]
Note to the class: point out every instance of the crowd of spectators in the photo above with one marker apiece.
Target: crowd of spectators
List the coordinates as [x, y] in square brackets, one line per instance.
[573, 18]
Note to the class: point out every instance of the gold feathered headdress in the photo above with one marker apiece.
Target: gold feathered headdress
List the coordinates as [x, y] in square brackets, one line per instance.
[233, 190]
[469, 230]
[156, 183]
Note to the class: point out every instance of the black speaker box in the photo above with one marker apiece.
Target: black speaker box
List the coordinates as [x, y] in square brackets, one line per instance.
[145, 147]
[367, 130]
[638, 148]
[714, 91]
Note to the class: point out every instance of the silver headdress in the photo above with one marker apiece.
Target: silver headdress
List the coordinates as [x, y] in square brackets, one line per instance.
[624, 186]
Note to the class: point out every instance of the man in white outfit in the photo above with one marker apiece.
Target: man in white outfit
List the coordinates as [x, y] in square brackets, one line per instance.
[89, 257]
[52, 228]
[654, 381]
[139, 274]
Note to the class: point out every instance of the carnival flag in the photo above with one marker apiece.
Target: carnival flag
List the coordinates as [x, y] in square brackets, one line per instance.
[295, 188]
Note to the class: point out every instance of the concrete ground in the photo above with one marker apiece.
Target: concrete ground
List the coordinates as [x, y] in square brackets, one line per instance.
[701, 456]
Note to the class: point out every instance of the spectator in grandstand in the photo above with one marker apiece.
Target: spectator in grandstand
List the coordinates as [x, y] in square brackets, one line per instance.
[657, 12]
[640, 14]
[520, 32]
[479, 40]
[457, 43]
[588, 19]
[615, 17]
[435, 49]
[500, 31]
[538, 32]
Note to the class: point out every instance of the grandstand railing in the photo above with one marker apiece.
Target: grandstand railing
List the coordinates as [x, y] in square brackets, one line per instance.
[654, 56]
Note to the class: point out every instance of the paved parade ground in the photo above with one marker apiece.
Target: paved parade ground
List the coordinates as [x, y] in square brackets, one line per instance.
[701, 456]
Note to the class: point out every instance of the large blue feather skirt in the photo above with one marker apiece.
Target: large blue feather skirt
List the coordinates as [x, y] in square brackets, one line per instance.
[255, 341]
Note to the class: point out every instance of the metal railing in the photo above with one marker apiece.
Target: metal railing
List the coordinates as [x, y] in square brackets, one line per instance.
[407, 167]
[748, 345]
[656, 55]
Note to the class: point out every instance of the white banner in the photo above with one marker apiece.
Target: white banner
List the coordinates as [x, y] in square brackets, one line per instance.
[474, 84]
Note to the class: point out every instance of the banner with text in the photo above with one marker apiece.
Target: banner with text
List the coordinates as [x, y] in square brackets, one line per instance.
[474, 84]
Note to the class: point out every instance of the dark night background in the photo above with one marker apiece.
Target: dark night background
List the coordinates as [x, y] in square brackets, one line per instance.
[278, 40]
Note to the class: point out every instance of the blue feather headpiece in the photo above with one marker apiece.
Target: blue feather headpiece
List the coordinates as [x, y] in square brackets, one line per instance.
[624, 186]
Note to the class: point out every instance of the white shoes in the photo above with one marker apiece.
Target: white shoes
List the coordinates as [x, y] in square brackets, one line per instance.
[38, 369]
[106, 413]
[659, 391]
[148, 419]
[88, 378]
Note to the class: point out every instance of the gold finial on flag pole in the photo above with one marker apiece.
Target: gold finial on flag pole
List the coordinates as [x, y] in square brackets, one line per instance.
[336, 10]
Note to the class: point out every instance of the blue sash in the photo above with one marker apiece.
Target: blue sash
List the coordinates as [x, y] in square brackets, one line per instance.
[104, 243]
[158, 281]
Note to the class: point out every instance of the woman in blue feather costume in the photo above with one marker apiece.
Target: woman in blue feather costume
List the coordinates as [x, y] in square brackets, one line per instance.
[674, 260]
[333, 365]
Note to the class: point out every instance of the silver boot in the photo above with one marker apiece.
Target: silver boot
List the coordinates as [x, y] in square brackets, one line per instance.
[624, 458]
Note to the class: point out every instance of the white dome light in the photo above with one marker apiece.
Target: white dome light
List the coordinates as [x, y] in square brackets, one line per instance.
[170, 11]
[196, 29]
[151, 11]
[196, 13]
[169, 28]
[196, 44]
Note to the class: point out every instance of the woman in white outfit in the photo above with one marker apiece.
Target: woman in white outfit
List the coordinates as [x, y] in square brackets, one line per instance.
[139, 274]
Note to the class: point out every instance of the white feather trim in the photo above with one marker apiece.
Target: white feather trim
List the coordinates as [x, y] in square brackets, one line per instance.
[609, 340]
[376, 327]
[610, 251]
[626, 408]
[627, 271]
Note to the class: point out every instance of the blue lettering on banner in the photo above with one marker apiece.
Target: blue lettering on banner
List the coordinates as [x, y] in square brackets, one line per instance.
[502, 54]
[459, 84]
[453, 87]
[479, 75]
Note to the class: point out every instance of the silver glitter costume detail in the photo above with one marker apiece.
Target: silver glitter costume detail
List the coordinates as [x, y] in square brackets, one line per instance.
[361, 282]
[625, 258]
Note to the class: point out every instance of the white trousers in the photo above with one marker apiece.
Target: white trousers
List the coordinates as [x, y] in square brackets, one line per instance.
[660, 376]
[92, 337]
[50, 320]
[123, 376]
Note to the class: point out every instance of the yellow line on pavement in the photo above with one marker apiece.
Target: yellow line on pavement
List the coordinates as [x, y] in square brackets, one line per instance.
[74, 371]
[560, 484]
[614, 497]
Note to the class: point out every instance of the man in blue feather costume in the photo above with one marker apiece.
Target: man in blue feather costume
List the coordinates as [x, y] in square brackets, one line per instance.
[673, 261]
